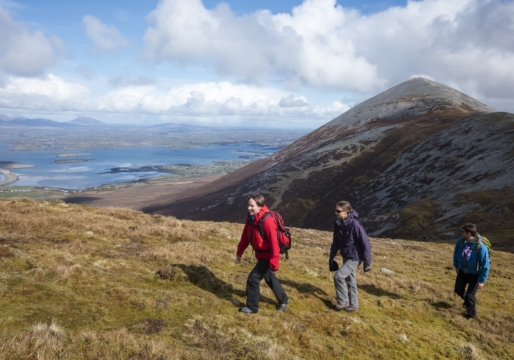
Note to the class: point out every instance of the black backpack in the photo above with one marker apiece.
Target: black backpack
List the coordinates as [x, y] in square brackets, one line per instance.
[283, 234]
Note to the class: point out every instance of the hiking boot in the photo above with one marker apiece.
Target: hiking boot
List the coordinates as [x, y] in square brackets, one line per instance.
[282, 307]
[246, 310]
[351, 309]
[341, 306]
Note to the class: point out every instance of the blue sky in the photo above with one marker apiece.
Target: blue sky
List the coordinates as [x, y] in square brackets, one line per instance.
[276, 63]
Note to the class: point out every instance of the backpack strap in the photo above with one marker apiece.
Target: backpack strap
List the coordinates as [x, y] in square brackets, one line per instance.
[478, 259]
[260, 227]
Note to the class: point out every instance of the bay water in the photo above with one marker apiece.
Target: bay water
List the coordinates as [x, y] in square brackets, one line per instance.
[96, 170]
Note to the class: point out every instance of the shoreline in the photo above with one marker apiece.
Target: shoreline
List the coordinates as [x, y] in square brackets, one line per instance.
[9, 177]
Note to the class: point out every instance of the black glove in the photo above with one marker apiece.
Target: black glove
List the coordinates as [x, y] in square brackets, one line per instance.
[367, 268]
[333, 265]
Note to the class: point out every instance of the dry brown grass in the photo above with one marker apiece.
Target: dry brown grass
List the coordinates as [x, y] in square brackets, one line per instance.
[87, 283]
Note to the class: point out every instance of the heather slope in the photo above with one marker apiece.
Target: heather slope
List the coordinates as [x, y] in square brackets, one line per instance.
[84, 282]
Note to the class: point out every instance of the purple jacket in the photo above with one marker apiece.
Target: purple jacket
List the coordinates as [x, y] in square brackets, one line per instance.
[351, 240]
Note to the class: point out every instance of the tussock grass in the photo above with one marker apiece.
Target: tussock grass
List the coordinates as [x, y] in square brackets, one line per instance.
[78, 282]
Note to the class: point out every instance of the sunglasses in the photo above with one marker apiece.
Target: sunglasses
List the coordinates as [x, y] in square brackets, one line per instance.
[339, 211]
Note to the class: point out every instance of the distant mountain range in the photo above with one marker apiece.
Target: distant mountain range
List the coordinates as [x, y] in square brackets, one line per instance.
[38, 122]
[91, 122]
[416, 161]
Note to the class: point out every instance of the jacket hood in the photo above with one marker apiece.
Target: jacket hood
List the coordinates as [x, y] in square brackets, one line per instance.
[352, 215]
[258, 216]
[476, 239]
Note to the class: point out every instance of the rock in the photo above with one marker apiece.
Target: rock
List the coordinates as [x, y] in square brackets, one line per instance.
[386, 271]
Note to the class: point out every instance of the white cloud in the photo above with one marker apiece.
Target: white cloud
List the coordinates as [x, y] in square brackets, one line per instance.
[292, 101]
[45, 93]
[325, 46]
[24, 52]
[309, 47]
[467, 43]
[221, 102]
[106, 38]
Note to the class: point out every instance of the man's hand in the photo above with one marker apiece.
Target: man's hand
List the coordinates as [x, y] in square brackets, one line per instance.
[238, 259]
[480, 286]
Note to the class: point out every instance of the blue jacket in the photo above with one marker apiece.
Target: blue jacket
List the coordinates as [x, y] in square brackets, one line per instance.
[351, 240]
[466, 259]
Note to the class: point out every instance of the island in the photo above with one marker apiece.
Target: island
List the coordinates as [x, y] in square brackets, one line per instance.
[69, 161]
[72, 155]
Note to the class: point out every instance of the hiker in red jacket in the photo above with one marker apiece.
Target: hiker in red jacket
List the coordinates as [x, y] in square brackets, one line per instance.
[267, 253]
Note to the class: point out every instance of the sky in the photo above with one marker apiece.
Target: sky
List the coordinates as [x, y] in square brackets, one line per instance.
[282, 64]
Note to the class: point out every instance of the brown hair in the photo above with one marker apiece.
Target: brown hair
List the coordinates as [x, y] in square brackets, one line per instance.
[470, 228]
[345, 206]
[259, 199]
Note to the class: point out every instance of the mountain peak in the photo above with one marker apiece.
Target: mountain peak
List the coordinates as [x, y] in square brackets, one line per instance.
[87, 121]
[412, 98]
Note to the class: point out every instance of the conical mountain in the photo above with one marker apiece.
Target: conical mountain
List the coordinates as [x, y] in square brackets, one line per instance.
[415, 160]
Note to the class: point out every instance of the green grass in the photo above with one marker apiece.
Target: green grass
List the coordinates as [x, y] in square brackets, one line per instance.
[79, 282]
[32, 192]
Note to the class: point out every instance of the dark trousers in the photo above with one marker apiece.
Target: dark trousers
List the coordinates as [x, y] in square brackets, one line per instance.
[471, 280]
[253, 290]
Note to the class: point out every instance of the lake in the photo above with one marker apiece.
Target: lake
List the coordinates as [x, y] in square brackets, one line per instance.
[96, 170]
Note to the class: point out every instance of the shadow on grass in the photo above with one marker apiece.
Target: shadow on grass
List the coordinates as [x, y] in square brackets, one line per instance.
[205, 279]
[373, 290]
[81, 200]
[440, 305]
[309, 289]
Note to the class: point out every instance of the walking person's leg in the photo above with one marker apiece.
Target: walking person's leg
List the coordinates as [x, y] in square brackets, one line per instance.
[460, 284]
[351, 280]
[340, 277]
[469, 296]
[277, 289]
[253, 289]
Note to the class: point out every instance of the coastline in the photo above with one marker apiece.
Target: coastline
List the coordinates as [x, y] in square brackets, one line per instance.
[9, 177]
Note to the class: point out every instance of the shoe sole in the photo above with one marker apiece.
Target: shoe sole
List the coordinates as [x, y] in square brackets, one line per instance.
[284, 309]
[342, 308]
[247, 312]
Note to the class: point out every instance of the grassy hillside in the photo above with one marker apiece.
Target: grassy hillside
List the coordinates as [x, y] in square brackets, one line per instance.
[79, 282]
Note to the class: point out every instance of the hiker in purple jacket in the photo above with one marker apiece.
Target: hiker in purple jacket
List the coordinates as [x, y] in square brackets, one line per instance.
[353, 244]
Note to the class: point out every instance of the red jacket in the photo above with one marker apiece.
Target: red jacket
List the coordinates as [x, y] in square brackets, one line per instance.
[264, 249]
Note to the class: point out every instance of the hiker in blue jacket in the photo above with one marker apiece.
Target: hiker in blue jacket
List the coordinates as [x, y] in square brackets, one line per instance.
[471, 262]
[353, 244]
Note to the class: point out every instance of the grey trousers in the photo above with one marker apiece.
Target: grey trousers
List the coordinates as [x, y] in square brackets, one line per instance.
[346, 276]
